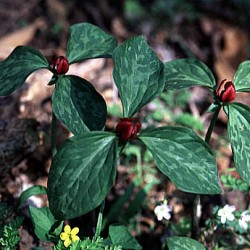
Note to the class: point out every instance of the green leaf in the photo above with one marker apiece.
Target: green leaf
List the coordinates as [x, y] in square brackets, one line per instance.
[184, 157]
[89, 41]
[184, 243]
[5, 212]
[42, 220]
[18, 66]
[78, 105]
[185, 73]
[233, 183]
[115, 211]
[34, 190]
[136, 203]
[9, 235]
[239, 134]
[138, 74]
[119, 235]
[214, 107]
[242, 77]
[82, 173]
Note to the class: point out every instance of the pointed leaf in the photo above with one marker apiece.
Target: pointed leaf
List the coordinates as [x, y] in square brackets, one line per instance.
[184, 243]
[89, 41]
[185, 73]
[239, 134]
[115, 211]
[78, 105]
[242, 77]
[82, 173]
[18, 66]
[34, 190]
[120, 235]
[137, 202]
[138, 74]
[184, 157]
[43, 221]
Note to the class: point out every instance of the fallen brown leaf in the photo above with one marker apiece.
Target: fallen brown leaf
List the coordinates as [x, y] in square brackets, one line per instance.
[19, 37]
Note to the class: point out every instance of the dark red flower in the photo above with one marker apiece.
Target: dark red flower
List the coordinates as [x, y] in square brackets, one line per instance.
[226, 91]
[128, 128]
[61, 65]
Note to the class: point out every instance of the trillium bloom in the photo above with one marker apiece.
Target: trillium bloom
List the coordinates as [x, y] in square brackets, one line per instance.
[163, 211]
[226, 91]
[128, 128]
[244, 219]
[226, 213]
[69, 236]
[61, 65]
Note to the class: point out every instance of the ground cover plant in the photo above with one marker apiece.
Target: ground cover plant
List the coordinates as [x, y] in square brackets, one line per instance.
[84, 167]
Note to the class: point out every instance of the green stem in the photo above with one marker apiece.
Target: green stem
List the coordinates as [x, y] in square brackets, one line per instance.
[247, 242]
[196, 201]
[53, 134]
[99, 222]
[212, 124]
[139, 168]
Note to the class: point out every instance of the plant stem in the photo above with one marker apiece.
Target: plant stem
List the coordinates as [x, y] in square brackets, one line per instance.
[139, 168]
[196, 201]
[53, 135]
[99, 222]
[195, 219]
[211, 126]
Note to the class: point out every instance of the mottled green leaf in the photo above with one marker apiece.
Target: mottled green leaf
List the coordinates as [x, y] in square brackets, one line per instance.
[185, 73]
[242, 77]
[89, 41]
[120, 235]
[18, 66]
[82, 173]
[34, 190]
[184, 243]
[78, 105]
[239, 134]
[138, 74]
[184, 157]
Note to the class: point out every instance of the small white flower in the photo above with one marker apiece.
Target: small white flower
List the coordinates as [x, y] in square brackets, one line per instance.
[163, 211]
[226, 213]
[244, 219]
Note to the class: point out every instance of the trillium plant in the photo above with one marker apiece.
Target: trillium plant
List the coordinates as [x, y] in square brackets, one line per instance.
[83, 168]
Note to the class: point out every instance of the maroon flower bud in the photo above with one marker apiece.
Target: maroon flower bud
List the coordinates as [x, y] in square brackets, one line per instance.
[61, 65]
[128, 128]
[226, 91]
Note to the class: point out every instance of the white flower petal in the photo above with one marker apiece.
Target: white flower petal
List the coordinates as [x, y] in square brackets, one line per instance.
[230, 217]
[163, 211]
[226, 213]
[223, 219]
[231, 208]
[167, 216]
[220, 212]
[243, 224]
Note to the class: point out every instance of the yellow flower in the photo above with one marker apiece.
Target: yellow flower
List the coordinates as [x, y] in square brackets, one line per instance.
[69, 236]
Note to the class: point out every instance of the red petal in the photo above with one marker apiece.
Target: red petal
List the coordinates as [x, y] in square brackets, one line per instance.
[228, 94]
[221, 88]
[137, 128]
[61, 65]
[124, 129]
